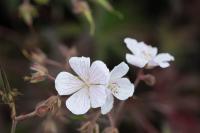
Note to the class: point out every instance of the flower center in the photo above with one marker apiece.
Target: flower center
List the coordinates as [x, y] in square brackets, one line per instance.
[113, 87]
[87, 84]
[147, 55]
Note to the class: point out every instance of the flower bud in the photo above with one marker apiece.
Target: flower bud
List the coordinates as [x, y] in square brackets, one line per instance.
[148, 79]
[51, 105]
[35, 55]
[39, 75]
[27, 12]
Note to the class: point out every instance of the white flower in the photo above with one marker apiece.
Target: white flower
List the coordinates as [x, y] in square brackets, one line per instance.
[146, 55]
[120, 87]
[88, 88]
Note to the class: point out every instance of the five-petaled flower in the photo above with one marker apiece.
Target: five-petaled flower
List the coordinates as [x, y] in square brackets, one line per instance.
[146, 56]
[88, 88]
[120, 87]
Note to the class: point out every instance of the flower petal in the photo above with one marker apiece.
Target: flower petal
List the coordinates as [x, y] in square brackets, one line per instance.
[122, 89]
[80, 65]
[108, 104]
[151, 64]
[163, 59]
[99, 73]
[66, 83]
[119, 71]
[79, 102]
[153, 51]
[136, 61]
[148, 49]
[97, 95]
[132, 45]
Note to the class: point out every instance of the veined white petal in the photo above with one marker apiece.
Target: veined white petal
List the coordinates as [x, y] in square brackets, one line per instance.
[80, 65]
[132, 45]
[79, 102]
[163, 59]
[119, 71]
[66, 83]
[108, 104]
[97, 94]
[99, 73]
[122, 88]
[136, 61]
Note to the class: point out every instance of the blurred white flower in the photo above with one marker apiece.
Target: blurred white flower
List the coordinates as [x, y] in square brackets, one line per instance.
[89, 87]
[120, 87]
[145, 55]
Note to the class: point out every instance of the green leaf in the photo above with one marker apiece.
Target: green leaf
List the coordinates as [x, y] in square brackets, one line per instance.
[78, 117]
[82, 7]
[106, 5]
[5, 83]
[90, 20]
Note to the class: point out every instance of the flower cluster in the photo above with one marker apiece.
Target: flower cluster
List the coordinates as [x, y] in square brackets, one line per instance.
[145, 56]
[95, 86]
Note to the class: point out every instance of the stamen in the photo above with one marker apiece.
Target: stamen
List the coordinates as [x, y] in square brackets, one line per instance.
[113, 87]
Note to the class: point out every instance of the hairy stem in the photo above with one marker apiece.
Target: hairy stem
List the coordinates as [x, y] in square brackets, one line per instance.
[54, 63]
[13, 115]
[50, 77]
[121, 104]
[26, 116]
[93, 121]
[111, 119]
[21, 118]
[14, 124]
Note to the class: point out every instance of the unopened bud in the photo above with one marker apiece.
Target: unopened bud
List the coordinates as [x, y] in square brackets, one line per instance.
[40, 73]
[27, 12]
[36, 55]
[80, 6]
[148, 79]
[51, 105]
[42, 110]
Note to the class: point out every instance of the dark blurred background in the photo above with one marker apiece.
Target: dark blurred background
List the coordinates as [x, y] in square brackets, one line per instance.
[172, 105]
